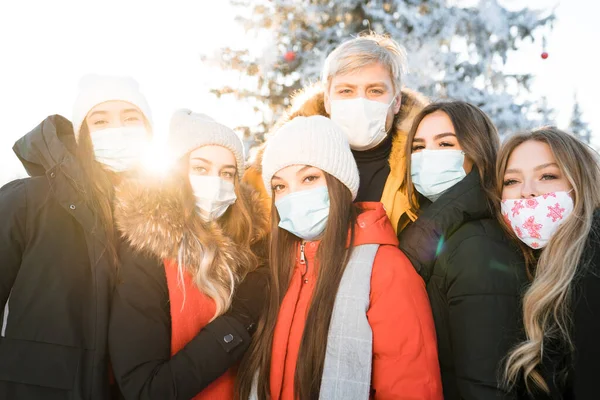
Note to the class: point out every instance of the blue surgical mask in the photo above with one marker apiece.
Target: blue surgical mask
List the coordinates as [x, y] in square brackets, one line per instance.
[304, 213]
[435, 171]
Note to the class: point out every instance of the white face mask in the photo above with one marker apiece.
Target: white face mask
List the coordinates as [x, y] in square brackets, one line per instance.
[120, 149]
[536, 219]
[213, 195]
[362, 120]
[435, 171]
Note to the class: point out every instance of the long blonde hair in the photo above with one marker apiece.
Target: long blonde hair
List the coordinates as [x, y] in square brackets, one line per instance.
[231, 246]
[547, 302]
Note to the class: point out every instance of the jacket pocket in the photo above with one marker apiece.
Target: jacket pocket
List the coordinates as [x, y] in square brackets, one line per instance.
[37, 363]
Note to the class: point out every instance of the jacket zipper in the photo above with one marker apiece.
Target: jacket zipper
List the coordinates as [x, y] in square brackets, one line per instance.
[302, 257]
[5, 318]
[303, 261]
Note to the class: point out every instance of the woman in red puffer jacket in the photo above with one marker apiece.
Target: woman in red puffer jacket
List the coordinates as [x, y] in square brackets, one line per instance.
[348, 315]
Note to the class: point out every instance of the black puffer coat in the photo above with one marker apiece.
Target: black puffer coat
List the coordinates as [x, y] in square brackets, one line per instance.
[56, 280]
[475, 277]
[574, 375]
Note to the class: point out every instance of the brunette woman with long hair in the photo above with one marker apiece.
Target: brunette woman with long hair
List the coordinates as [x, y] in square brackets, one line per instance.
[190, 288]
[549, 182]
[474, 273]
[58, 245]
[348, 316]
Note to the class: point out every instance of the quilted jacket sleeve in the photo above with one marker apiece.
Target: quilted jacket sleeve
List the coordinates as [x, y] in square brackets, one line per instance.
[483, 321]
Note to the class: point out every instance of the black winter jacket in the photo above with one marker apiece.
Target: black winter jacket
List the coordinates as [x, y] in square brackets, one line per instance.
[475, 277]
[56, 280]
[150, 216]
[574, 376]
[140, 336]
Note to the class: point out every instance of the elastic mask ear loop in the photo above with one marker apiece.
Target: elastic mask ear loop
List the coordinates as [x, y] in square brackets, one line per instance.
[388, 110]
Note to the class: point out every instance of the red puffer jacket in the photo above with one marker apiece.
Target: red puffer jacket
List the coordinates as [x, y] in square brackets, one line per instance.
[405, 361]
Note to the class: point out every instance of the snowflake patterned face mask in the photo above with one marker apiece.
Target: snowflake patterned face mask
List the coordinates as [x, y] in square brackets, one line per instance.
[535, 220]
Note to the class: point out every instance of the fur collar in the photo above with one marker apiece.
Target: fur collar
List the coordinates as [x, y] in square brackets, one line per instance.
[150, 215]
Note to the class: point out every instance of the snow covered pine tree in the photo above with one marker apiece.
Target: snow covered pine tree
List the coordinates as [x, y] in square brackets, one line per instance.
[454, 51]
[578, 126]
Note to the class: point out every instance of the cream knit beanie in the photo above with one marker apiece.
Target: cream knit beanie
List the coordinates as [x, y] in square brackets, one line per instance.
[314, 141]
[190, 130]
[96, 89]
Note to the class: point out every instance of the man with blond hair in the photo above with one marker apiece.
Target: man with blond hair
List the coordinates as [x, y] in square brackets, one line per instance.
[361, 90]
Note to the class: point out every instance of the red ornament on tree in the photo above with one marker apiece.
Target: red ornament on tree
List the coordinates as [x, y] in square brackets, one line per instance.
[544, 52]
[289, 56]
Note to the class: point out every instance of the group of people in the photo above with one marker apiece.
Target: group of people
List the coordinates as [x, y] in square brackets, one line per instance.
[381, 246]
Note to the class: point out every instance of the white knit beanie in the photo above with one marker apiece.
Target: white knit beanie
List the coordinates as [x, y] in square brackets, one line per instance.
[96, 89]
[190, 130]
[314, 141]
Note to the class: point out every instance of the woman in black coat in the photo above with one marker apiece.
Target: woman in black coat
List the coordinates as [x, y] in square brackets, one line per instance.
[474, 274]
[550, 187]
[194, 244]
[58, 247]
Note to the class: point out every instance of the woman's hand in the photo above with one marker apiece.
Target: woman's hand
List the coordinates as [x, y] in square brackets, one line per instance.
[250, 299]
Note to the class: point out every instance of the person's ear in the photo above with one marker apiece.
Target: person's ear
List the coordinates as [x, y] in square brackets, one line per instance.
[397, 103]
[327, 103]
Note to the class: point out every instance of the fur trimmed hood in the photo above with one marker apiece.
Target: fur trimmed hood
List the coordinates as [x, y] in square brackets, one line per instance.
[311, 101]
[151, 216]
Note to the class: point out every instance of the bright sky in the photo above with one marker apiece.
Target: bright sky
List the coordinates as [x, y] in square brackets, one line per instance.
[46, 46]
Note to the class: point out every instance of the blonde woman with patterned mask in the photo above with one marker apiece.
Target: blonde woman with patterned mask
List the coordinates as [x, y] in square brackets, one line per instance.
[550, 187]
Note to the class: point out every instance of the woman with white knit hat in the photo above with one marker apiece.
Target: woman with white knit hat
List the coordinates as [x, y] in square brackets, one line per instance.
[58, 246]
[191, 290]
[348, 316]
[112, 119]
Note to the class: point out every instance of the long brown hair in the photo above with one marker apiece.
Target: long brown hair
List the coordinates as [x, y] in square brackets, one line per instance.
[245, 225]
[477, 137]
[547, 302]
[332, 258]
[98, 191]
